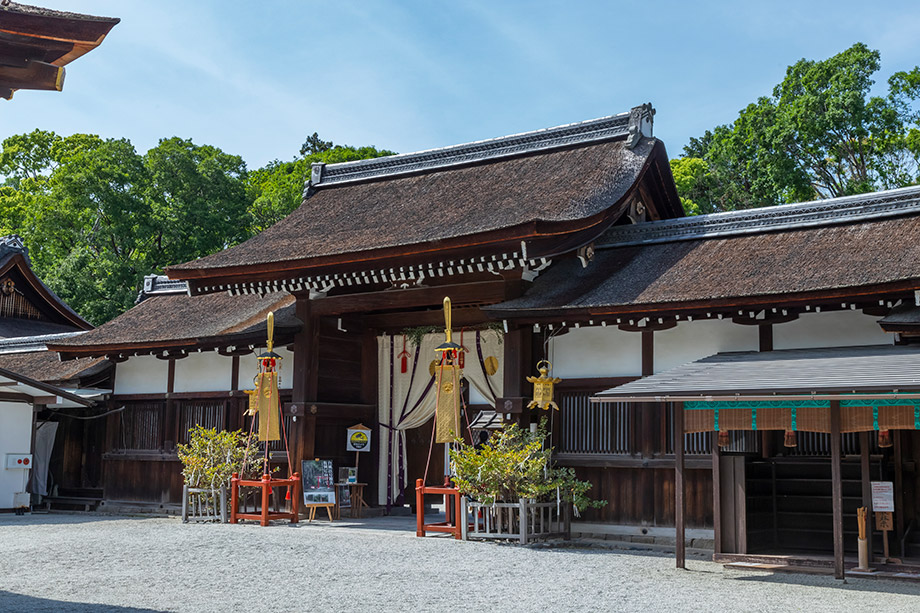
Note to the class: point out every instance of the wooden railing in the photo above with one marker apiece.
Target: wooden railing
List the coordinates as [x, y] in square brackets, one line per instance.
[522, 521]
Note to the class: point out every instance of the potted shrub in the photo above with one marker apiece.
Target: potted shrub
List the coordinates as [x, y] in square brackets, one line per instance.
[208, 461]
[513, 488]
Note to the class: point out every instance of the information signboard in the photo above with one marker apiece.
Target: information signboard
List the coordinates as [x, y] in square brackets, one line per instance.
[882, 496]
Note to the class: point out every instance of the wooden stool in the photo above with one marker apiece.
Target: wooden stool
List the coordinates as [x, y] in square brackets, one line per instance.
[329, 506]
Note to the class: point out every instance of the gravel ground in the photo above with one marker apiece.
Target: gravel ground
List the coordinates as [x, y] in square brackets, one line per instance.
[94, 564]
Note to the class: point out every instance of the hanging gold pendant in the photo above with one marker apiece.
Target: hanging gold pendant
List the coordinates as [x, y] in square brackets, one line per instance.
[543, 388]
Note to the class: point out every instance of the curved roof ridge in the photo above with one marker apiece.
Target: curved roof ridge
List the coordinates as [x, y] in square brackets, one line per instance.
[830, 211]
[637, 121]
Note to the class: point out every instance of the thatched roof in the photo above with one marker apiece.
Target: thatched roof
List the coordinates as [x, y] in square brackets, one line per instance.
[710, 260]
[180, 320]
[47, 366]
[428, 201]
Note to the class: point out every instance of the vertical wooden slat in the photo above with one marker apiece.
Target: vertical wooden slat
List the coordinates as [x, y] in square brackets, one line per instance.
[864, 448]
[837, 489]
[716, 494]
[898, 487]
[679, 549]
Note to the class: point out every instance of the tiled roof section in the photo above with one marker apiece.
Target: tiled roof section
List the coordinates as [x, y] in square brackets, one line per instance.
[47, 366]
[781, 263]
[831, 370]
[605, 128]
[25, 9]
[848, 209]
[184, 319]
[30, 332]
[568, 184]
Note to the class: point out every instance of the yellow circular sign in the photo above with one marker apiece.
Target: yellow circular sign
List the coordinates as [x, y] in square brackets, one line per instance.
[358, 440]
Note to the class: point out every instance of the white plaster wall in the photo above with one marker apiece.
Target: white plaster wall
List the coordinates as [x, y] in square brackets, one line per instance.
[142, 374]
[831, 329]
[596, 352]
[207, 371]
[15, 437]
[692, 340]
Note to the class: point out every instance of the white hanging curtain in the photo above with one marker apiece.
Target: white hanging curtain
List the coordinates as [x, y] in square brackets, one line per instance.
[407, 400]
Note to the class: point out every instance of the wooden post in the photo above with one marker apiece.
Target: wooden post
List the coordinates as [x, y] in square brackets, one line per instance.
[266, 493]
[234, 497]
[716, 495]
[679, 549]
[866, 488]
[837, 490]
[419, 508]
[305, 382]
[898, 487]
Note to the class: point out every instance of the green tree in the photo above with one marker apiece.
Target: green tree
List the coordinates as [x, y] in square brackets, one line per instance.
[820, 134]
[97, 216]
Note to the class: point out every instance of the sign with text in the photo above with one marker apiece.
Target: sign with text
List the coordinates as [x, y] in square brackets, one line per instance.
[882, 497]
[358, 439]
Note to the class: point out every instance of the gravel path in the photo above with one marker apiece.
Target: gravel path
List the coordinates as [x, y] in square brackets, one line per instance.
[95, 564]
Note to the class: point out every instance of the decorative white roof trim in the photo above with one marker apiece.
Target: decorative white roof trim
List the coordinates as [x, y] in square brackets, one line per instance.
[847, 209]
[633, 125]
[402, 277]
[29, 344]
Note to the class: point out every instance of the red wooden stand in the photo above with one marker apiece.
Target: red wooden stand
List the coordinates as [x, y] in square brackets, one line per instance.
[266, 483]
[452, 509]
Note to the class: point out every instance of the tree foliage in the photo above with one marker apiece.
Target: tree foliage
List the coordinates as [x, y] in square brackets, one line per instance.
[820, 134]
[97, 216]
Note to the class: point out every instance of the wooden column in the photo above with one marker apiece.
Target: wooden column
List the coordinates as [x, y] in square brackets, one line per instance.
[716, 494]
[866, 477]
[170, 419]
[898, 487]
[837, 490]
[518, 353]
[305, 382]
[680, 540]
[369, 373]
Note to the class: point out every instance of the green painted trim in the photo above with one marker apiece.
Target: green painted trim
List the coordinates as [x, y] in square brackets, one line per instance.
[709, 405]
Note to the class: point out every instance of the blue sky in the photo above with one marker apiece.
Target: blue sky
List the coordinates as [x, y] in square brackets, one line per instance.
[254, 78]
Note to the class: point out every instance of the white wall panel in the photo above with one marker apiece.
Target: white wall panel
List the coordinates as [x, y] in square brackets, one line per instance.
[831, 329]
[142, 374]
[207, 371]
[595, 352]
[15, 437]
[692, 340]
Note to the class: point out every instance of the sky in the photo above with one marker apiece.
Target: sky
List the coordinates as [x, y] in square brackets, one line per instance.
[255, 78]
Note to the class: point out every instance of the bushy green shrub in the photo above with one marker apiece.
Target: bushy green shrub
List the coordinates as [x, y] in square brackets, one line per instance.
[513, 464]
[212, 456]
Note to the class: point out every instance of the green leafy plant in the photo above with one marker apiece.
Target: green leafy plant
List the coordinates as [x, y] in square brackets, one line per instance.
[515, 464]
[212, 456]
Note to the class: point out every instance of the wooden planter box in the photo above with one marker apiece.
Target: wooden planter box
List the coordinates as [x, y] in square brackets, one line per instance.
[523, 521]
[196, 507]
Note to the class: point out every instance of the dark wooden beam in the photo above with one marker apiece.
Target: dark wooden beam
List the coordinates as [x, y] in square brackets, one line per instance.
[680, 531]
[765, 337]
[394, 322]
[898, 485]
[34, 75]
[170, 419]
[484, 292]
[837, 490]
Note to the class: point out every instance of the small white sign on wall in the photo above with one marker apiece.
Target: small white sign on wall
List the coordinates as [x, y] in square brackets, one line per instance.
[882, 496]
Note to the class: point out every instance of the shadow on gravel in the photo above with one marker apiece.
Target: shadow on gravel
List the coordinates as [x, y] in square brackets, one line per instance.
[18, 603]
[52, 519]
[853, 584]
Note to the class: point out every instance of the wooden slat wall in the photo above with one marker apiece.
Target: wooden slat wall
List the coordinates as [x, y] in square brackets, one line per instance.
[340, 357]
[645, 496]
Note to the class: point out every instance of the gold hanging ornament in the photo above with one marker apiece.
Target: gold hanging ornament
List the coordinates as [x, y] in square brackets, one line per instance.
[543, 387]
[447, 411]
[264, 400]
